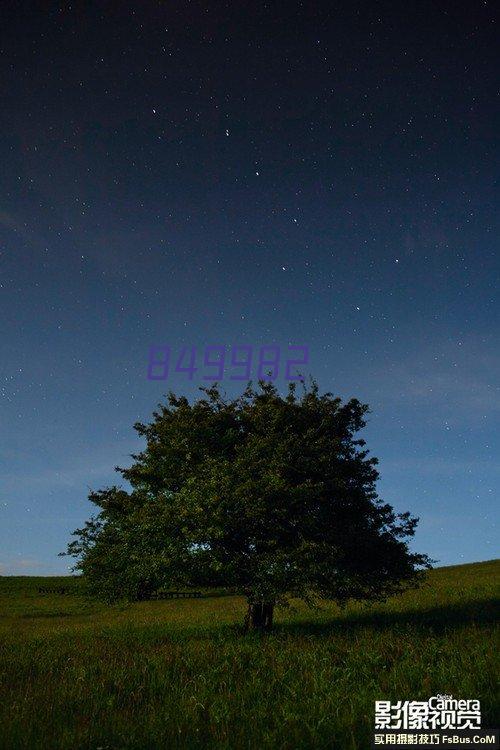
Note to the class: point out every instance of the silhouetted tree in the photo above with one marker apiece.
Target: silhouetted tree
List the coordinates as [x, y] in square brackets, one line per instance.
[269, 496]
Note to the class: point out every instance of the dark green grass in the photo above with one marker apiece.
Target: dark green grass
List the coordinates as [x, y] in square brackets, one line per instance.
[178, 674]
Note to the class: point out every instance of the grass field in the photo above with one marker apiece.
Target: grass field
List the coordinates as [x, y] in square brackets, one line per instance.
[178, 674]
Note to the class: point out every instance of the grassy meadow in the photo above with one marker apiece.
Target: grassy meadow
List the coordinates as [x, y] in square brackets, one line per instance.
[77, 674]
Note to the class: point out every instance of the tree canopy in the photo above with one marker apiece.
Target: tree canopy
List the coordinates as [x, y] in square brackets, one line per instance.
[270, 496]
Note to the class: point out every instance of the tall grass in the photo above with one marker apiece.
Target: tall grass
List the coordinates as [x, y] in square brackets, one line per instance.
[179, 674]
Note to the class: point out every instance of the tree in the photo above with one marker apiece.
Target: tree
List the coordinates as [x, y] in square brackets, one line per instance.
[268, 496]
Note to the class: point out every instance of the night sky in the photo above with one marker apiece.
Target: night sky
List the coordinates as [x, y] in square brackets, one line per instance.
[248, 174]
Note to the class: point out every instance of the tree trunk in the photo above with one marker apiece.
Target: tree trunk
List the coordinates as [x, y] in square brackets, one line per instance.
[268, 610]
[259, 616]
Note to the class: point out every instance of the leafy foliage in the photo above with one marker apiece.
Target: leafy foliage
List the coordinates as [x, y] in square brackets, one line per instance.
[267, 495]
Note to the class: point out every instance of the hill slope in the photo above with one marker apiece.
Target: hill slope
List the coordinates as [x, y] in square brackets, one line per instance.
[77, 674]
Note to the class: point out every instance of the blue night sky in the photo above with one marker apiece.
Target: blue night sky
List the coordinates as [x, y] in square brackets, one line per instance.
[285, 173]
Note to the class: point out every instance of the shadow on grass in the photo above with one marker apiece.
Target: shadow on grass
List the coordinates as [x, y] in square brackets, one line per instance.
[437, 619]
